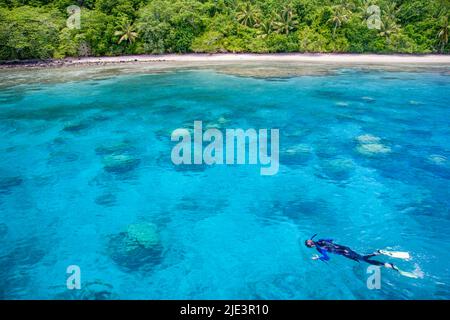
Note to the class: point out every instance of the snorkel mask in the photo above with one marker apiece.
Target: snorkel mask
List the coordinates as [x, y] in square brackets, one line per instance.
[307, 241]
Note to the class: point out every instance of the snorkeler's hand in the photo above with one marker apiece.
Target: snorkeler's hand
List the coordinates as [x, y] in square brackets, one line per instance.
[315, 257]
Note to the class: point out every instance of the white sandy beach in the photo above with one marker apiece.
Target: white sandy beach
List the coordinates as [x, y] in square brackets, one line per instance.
[294, 57]
[167, 60]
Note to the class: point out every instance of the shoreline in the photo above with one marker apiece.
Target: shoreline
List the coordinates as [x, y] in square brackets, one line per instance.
[325, 58]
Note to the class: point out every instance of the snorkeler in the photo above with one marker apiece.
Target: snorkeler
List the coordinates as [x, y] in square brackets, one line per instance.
[326, 246]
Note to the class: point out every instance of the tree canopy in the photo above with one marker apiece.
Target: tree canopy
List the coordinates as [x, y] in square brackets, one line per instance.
[37, 28]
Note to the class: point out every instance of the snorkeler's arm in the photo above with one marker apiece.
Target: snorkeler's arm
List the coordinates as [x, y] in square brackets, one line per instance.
[324, 254]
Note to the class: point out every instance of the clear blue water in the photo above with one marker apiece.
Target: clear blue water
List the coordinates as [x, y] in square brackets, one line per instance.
[226, 232]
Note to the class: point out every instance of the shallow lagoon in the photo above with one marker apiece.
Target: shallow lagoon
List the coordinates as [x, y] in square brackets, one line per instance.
[85, 154]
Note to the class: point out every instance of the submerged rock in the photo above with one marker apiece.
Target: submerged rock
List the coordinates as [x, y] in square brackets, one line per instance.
[436, 164]
[367, 138]
[120, 163]
[297, 154]
[95, 290]
[76, 126]
[337, 169]
[370, 149]
[437, 159]
[325, 151]
[8, 183]
[220, 123]
[223, 120]
[298, 149]
[107, 200]
[139, 246]
[368, 99]
[371, 145]
[119, 157]
[58, 141]
[100, 118]
[145, 235]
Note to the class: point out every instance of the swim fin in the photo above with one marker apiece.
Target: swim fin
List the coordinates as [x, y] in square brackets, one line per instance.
[417, 273]
[396, 254]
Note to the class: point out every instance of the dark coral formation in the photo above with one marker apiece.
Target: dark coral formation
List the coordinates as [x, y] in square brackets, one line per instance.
[139, 247]
[8, 183]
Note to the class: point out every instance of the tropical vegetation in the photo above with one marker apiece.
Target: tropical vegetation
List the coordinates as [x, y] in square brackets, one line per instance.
[38, 29]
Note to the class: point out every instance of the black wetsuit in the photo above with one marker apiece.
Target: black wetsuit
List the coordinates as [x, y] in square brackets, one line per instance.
[325, 246]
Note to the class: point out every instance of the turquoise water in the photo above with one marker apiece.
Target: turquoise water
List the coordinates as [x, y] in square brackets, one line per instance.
[364, 159]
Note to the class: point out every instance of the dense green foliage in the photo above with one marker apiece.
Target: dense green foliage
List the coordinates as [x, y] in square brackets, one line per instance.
[37, 28]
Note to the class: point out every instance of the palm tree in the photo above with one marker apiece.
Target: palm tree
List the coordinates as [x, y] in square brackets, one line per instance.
[265, 28]
[340, 16]
[391, 11]
[443, 34]
[286, 21]
[350, 6]
[248, 15]
[127, 33]
[388, 28]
